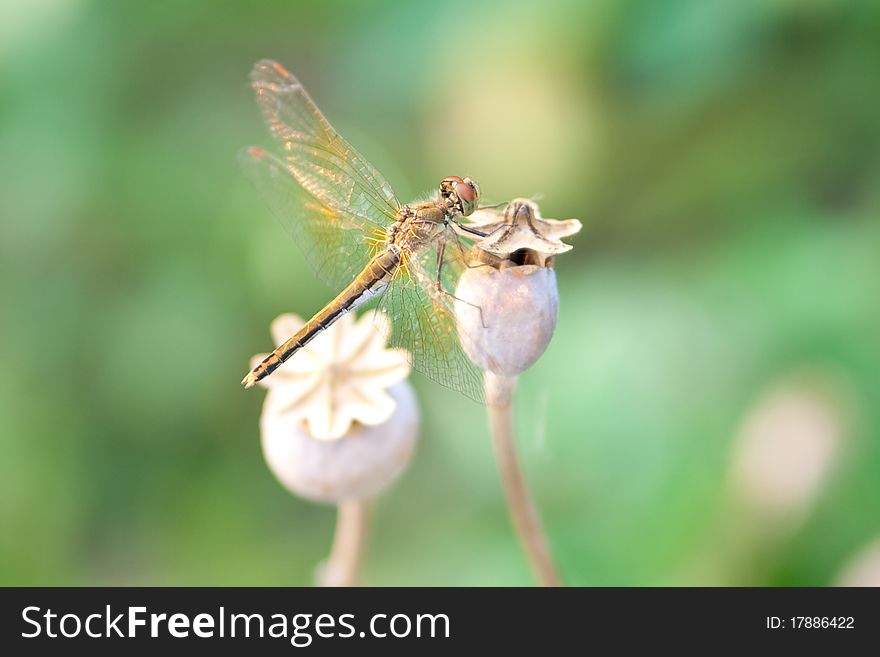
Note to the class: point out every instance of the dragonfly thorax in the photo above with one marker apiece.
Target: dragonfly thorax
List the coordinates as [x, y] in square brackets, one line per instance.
[417, 224]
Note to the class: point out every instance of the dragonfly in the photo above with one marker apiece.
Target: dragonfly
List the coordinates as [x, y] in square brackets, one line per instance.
[358, 237]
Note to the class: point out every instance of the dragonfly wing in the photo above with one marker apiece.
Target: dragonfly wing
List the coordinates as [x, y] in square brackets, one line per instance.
[334, 242]
[423, 322]
[326, 165]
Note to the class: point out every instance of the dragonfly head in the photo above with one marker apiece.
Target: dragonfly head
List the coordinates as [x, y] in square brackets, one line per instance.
[461, 195]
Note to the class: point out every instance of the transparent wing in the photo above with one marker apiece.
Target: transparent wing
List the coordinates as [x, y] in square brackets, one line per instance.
[335, 243]
[331, 200]
[423, 320]
[326, 165]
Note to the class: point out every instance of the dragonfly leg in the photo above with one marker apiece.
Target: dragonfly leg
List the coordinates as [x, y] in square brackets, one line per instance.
[464, 255]
[480, 234]
[469, 230]
[441, 250]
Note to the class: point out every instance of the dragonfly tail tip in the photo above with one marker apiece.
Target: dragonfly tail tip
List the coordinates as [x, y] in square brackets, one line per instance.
[249, 380]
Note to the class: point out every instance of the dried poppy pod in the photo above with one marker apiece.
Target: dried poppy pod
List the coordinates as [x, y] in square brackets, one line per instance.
[507, 301]
[357, 466]
[512, 319]
[340, 422]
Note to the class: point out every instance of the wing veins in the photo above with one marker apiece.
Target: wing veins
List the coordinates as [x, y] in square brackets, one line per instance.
[343, 165]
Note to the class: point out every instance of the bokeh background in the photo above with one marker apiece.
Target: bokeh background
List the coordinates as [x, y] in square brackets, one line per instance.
[709, 409]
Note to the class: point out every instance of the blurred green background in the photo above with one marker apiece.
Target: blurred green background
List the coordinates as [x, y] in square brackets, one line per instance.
[723, 156]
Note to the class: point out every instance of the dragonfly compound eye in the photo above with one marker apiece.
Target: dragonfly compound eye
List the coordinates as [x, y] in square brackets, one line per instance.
[469, 193]
[461, 195]
[451, 190]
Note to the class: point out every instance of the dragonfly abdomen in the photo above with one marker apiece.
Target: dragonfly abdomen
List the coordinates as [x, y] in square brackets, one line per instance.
[369, 283]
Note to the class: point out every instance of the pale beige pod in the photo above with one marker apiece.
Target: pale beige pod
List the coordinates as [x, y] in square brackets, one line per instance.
[509, 316]
[508, 301]
[358, 465]
[790, 444]
[339, 422]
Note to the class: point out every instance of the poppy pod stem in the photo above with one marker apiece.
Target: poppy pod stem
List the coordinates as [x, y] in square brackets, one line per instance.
[499, 399]
[342, 567]
[506, 308]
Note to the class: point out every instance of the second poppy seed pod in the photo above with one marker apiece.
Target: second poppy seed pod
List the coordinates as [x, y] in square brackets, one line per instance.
[339, 422]
[355, 467]
[506, 317]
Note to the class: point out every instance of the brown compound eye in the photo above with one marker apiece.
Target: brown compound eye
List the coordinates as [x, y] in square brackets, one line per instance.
[465, 192]
[469, 194]
[461, 194]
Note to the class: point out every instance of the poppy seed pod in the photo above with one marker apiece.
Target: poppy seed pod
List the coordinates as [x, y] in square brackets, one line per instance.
[339, 422]
[357, 466]
[508, 317]
[790, 443]
[507, 300]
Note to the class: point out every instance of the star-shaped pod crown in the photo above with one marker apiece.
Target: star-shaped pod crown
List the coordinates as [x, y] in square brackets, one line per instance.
[520, 228]
[339, 379]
